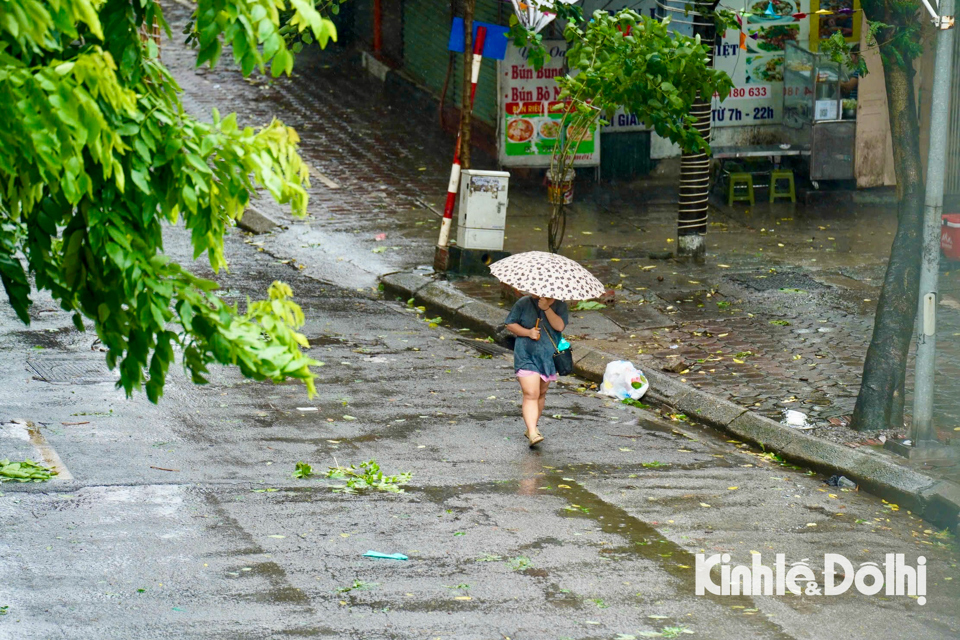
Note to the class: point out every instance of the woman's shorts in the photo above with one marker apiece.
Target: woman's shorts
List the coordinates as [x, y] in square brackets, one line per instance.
[523, 373]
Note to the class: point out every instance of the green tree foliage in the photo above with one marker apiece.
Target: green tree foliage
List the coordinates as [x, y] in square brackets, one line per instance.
[97, 155]
[631, 61]
[635, 62]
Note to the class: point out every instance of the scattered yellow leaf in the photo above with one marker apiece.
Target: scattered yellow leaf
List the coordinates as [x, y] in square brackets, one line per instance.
[732, 488]
[704, 505]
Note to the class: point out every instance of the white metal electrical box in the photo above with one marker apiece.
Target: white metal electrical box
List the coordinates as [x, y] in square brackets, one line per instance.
[483, 209]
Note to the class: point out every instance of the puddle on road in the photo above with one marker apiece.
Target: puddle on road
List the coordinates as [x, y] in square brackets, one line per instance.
[280, 589]
[57, 339]
[643, 541]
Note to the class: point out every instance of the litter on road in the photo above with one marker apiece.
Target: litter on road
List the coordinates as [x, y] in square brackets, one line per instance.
[385, 556]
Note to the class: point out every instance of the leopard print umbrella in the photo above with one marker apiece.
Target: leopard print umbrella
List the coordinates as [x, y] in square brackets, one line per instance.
[548, 275]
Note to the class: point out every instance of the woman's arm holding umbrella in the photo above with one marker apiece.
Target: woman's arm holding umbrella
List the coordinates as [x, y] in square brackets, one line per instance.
[520, 331]
[546, 305]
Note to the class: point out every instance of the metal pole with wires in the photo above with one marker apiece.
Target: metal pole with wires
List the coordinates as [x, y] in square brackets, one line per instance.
[697, 18]
[923, 431]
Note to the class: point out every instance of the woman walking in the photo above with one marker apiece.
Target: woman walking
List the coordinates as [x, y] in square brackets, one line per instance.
[530, 317]
[550, 279]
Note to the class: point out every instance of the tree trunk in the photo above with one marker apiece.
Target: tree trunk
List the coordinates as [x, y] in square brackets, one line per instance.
[466, 109]
[880, 402]
[695, 167]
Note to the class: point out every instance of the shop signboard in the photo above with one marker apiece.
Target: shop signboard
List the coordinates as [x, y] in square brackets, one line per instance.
[531, 113]
[622, 122]
[756, 68]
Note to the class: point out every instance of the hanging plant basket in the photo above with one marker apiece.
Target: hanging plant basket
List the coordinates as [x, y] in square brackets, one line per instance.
[560, 191]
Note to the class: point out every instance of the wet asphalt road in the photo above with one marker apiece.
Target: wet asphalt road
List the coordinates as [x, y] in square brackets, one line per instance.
[183, 521]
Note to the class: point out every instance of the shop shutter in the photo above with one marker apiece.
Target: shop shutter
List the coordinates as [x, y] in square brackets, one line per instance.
[426, 30]
[625, 155]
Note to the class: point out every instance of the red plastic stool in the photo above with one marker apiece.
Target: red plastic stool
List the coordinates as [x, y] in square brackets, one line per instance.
[950, 236]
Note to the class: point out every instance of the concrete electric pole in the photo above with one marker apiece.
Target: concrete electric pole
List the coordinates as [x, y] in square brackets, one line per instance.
[923, 432]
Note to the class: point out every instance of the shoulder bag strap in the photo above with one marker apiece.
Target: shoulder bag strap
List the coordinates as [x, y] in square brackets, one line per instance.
[546, 330]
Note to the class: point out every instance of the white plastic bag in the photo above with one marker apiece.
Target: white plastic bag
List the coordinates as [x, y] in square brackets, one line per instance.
[623, 380]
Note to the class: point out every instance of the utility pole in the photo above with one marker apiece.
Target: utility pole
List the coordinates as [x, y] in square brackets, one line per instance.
[923, 432]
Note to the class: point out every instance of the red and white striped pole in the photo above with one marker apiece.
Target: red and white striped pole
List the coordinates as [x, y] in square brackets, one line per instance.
[454, 183]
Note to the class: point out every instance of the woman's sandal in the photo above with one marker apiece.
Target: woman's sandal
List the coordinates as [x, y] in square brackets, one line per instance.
[535, 440]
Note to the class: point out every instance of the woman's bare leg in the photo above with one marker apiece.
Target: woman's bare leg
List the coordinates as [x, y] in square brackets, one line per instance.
[532, 402]
[544, 386]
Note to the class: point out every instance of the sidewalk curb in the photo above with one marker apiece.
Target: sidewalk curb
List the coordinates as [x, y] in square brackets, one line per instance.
[936, 500]
[256, 221]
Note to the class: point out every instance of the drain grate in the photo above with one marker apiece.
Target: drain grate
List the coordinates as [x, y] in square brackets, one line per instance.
[71, 370]
[771, 281]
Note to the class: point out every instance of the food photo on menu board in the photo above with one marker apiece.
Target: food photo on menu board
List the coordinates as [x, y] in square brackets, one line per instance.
[773, 38]
[782, 10]
[519, 130]
[764, 69]
[531, 131]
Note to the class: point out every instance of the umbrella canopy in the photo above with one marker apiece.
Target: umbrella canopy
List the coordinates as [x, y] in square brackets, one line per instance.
[548, 275]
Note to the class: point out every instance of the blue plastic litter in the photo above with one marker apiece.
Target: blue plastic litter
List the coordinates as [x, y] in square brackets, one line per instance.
[385, 556]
